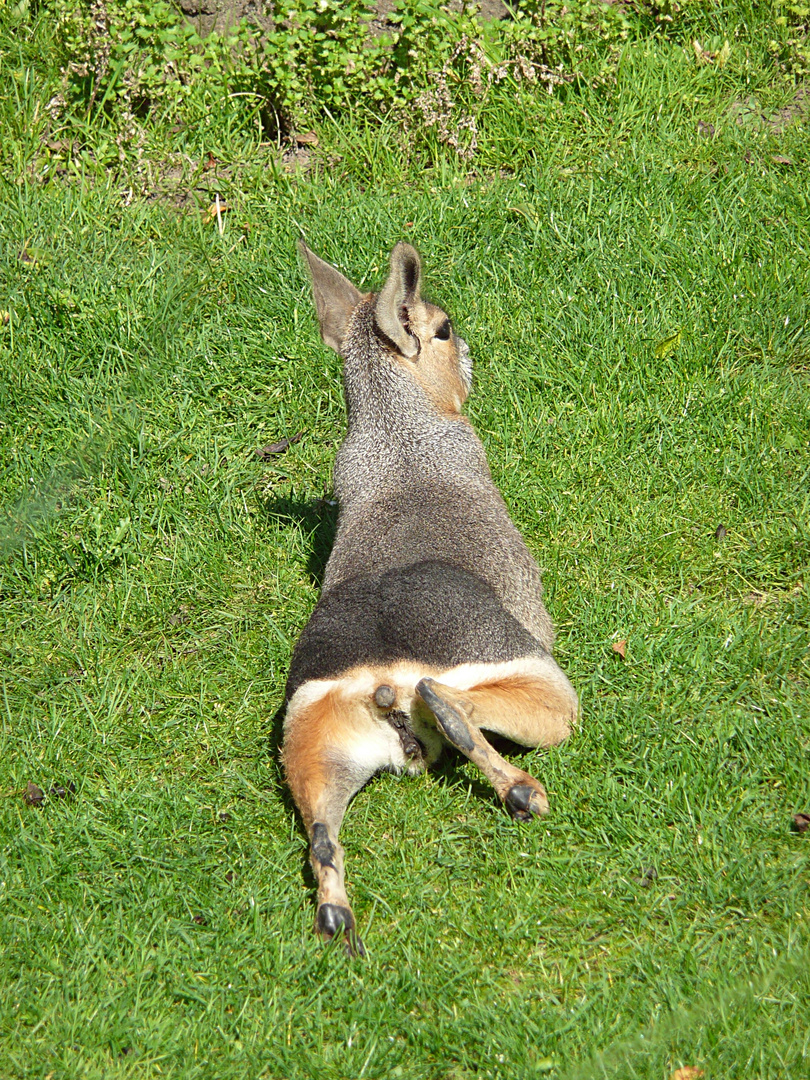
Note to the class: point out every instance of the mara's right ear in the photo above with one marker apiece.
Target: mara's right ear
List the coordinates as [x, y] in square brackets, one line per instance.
[335, 298]
[399, 294]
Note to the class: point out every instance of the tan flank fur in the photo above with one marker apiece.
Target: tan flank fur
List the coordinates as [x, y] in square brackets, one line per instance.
[430, 628]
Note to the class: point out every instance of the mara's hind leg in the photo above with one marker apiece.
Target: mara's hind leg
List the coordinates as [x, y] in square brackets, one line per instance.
[534, 706]
[525, 706]
[332, 746]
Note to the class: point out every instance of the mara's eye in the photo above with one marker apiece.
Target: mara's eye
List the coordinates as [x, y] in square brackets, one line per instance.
[443, 333]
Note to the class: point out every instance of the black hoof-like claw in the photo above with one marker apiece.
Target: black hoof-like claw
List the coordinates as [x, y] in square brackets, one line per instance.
[451, 722]
[332, 919]
[525, 803]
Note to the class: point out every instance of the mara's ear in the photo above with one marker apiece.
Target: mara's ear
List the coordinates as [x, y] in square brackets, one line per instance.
[399, 293]
[335, 298]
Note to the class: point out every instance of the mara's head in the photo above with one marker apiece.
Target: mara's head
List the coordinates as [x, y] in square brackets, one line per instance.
[394, 327]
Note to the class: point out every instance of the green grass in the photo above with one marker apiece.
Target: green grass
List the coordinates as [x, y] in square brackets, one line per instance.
[155, 574]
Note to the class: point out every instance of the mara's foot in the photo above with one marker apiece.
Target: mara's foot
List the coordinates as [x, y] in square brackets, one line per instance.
[525, 802]
[333, 919]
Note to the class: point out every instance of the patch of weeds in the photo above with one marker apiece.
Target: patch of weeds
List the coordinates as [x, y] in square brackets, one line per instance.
[790, 46]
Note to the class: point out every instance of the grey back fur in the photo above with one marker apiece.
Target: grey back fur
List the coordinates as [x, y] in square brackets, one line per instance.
[411, 476]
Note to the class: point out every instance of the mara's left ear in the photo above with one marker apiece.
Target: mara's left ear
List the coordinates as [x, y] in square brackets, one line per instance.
[335, 298]
[400, 293]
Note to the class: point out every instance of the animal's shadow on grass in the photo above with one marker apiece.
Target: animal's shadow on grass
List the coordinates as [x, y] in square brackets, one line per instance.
[318, 519]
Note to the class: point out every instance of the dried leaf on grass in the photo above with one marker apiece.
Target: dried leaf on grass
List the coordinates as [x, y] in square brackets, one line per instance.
[211, 213]
[620, 647]
[688, 1072]
[34, 795]
[279, 447]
